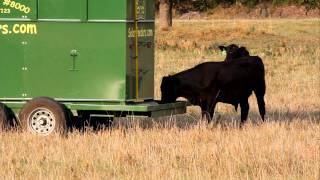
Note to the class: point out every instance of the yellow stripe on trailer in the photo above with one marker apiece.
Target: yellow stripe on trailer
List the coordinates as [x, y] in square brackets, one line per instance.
[136, 49]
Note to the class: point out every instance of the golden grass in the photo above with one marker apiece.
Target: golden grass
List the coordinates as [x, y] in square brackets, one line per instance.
[287, 146]
[270, 151]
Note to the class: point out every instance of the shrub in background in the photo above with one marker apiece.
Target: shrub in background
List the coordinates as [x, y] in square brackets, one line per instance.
[183, 6]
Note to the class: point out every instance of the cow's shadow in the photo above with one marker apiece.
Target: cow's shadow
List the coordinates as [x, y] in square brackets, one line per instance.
[191, 120]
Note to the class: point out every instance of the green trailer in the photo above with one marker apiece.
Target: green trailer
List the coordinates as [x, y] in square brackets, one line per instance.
[78, 57]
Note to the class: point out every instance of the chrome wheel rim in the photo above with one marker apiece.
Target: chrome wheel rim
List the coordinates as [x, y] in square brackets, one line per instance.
[41, 121]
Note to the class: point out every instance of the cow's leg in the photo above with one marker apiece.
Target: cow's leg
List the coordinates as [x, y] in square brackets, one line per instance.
[244, 104]
[213, 99]
[209, 104]
[205, 110]
[205, 114]
[212, 108]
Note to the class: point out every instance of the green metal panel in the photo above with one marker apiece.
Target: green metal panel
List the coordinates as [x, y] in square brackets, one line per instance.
[62, 9]
[87, 65]
[120, 10]
[18, 9]
[97, 72]
[134, 107]
[146, 9]
[12, 62]
[102, 68]
[146, 61]
[146, 49]
[107, 10]
[152, 108]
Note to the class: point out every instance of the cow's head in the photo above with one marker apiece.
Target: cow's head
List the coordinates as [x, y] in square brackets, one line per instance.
[233, 51]
[169, 89]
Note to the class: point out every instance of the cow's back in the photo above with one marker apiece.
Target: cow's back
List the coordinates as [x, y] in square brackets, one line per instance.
[201, 76]
[238, 78]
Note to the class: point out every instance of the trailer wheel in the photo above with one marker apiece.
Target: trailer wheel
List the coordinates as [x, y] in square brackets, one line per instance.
[43, 116]
[8, 120]
[3, 117]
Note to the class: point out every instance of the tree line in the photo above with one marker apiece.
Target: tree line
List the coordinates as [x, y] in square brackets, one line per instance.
[202, 5]
[182, 6]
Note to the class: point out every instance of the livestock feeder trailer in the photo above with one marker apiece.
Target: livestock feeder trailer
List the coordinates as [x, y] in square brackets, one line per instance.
[77, 58]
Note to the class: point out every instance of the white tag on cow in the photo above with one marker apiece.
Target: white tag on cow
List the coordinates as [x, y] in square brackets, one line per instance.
[224, 52]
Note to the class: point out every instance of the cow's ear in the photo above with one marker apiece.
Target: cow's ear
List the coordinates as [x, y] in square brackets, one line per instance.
[222, 48]
[244, 51]
[164, 79]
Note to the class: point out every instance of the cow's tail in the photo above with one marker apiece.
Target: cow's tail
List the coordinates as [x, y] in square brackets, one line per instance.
[260, 90]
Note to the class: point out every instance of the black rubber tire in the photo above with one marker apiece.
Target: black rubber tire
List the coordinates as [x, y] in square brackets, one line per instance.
[60, 117]
[3, 117]
[8, 120]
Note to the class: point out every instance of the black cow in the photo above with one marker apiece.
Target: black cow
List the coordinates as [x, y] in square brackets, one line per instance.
[234, 52]
[229, 82]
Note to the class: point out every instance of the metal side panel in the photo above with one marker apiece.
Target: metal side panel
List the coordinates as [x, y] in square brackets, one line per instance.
[76, 61]
[63, 60]
[11, 62]
[151, 108]
[62, 9]
[145, 61]
[107, 10]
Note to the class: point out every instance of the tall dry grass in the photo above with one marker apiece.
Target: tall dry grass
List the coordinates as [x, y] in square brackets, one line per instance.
[287, 146]
[272, 150]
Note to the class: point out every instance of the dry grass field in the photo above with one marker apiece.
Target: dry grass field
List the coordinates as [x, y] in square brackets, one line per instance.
[287, 146]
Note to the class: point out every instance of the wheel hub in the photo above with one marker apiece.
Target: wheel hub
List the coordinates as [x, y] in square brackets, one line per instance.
[41, 121]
